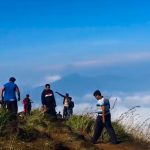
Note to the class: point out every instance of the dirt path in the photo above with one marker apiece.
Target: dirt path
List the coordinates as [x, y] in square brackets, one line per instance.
[122, 146]
[77, 141]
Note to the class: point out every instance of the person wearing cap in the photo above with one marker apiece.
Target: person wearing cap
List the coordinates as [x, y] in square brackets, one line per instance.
[66, 102]
[8, 93]
[103, 118]
[48, 101]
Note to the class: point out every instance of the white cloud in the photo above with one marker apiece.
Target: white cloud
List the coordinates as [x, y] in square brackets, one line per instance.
[83, 108]
[137, 100]
[113, 59]
[52, 78]
[47, 79]
[88, 97]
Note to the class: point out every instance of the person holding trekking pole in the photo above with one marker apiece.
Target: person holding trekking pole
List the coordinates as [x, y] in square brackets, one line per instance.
[103, 119]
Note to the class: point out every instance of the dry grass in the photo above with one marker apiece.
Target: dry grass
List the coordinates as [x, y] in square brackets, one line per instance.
[131, 121]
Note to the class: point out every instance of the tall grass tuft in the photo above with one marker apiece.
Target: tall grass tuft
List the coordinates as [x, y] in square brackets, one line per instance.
[134, 125]
[85, 124]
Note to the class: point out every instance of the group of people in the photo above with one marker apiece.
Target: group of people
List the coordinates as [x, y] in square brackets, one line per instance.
[49, 103]
[10, 95]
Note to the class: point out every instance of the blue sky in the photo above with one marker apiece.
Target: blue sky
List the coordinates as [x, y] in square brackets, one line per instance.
[44, 40]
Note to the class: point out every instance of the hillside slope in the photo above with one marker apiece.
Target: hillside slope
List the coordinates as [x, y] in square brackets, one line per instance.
[39, 132]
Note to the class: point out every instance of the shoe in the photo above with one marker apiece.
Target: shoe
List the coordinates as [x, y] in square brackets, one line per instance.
[117, 142]
[92, 142]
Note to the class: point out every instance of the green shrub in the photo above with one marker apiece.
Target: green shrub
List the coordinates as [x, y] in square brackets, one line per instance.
[27, 133]
[83, 124]
[4, 121]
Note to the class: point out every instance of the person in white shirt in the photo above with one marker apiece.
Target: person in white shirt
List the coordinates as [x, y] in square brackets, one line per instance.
[103, 119]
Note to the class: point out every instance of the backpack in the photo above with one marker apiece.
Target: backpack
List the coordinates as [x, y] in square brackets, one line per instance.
[71, 105]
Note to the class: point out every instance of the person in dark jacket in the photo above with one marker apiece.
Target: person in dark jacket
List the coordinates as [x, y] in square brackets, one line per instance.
[48, 101]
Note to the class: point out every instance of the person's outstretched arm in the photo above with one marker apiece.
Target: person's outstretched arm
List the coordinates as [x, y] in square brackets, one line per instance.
[60, 94]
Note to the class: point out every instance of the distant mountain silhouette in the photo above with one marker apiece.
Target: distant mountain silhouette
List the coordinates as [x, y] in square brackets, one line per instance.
[78, 85]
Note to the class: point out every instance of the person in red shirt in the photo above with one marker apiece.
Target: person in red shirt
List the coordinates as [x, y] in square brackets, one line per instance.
[27, 105]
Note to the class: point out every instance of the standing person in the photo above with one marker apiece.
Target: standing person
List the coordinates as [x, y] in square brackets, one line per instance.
[9, 91]
[103, 119]
[27, 105]
[48, 101]
[66, 102]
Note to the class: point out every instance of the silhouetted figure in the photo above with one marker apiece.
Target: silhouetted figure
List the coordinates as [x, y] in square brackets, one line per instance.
[103, 119]
[27, 105]
[48, 101]
[66, 102]
[8, 94]
[59, 115]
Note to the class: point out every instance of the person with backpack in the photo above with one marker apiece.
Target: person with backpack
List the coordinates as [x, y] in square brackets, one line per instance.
[66, 102]
[10, 99]
[71, 106]
[103, 119]
[48, 101]
[27, 105]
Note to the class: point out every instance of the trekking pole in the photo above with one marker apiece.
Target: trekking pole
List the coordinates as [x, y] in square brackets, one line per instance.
[94, 112]
[114, 104]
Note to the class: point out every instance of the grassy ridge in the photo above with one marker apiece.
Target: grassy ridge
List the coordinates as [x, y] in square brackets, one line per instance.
[85, 125]
[38, 132]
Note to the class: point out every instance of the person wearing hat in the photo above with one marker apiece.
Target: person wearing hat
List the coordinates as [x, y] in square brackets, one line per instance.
[9, 92]
[103, 119]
